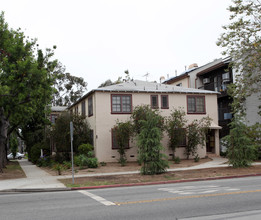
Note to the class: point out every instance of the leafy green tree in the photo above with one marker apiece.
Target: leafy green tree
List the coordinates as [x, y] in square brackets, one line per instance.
[68, 88]
[149, 146]
[241, 149]
[139, 114]
[24, 82]
[13, 145]
[242, 41]
[108, 82]
[175, 127]
[123, 134]
[61, 132]
[196, 135]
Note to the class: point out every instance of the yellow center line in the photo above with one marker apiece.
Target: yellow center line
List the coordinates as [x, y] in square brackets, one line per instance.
[186, 197]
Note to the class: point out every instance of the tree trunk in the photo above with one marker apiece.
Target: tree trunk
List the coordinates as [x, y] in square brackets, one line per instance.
[3, 137]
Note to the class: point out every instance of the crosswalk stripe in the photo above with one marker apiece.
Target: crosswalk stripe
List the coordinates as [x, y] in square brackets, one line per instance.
[97, 198]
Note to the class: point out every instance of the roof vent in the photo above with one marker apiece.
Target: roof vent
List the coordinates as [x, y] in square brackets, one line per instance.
[193, 65]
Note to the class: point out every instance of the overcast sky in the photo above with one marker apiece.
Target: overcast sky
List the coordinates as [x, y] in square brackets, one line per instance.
[100, 39]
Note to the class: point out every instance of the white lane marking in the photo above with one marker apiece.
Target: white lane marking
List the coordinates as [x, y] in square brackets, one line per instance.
[232, 189]
[188, 190]
[97, 198]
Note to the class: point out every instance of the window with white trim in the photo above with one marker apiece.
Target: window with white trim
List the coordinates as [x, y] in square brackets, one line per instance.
[121, 104]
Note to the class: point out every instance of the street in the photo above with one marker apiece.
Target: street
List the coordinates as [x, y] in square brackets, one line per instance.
[220, 199]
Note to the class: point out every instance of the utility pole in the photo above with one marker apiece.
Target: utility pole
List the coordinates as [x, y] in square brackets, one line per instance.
[71, 132]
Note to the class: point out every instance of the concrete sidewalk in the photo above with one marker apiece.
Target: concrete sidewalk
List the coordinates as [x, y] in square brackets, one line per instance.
[36, 179]
[216, 162]
[39, 179]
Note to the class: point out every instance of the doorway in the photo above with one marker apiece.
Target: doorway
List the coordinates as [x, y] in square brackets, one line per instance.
[210, 141]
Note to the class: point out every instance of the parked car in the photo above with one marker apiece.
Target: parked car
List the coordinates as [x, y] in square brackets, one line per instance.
[18, 156]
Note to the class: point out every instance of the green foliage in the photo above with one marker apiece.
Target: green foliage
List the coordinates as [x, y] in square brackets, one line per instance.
[25, 80]
[103, 163]
[108, 82]
[175, 125]
[196, 158]
[176, 160]
[140, 113]
[60, 157]
[92, 162]
[13, 145]
[61, 132]
[67, 88]
[90, 154]
[84, 161]
[241, 40]
[123, 134]
[81, 131]
[85, 149]
[35, 152]
[196, 135]
[241, 150]
[59, 168]
[67, 164]
[76, 160]
[44, 162]
[149, 146]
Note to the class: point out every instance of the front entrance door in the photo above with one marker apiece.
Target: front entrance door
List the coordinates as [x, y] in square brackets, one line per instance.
[210, 141]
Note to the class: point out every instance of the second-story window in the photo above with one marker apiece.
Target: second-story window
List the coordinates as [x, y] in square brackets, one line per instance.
[196, 104]
[154, 101]
[121, 104]
[90, 106]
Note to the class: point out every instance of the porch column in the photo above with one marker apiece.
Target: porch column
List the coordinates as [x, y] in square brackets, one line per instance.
[217, 147]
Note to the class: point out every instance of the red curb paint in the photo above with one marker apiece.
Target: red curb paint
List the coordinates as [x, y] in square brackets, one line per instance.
[162, 182]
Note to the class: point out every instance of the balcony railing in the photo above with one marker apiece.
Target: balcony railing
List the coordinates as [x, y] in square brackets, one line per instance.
[222, 88]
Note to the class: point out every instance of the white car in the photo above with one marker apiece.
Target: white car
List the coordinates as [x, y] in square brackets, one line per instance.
[18, 156]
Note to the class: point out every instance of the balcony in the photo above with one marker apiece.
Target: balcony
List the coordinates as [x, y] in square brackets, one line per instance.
[221, 88]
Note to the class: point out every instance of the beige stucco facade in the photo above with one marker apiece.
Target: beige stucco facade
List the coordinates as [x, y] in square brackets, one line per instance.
[102, 121]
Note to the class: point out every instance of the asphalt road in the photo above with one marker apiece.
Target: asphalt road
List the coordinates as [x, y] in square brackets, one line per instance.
[219, 199]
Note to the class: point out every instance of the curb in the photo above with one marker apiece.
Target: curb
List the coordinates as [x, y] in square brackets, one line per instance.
[32, 190]
[163, 182]
[35, 190]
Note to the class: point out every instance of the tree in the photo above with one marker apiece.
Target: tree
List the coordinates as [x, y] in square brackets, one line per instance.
[24, 81]
[123, 134]
[149, 147]
[139, 114]
[68, 88]
[241, 149]
[196, 135]
[61, 132]
[175, 127]
[242, 41]
[13, 145]
[108, 82]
